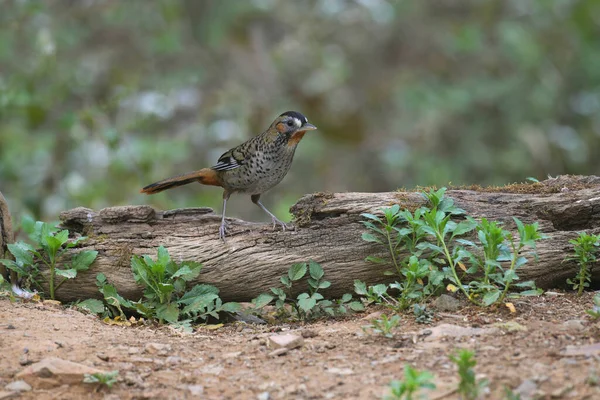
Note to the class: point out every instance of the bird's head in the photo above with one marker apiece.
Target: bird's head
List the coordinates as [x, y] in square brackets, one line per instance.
[292, 125]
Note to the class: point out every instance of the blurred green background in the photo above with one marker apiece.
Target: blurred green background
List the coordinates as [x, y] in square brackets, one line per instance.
[101, 97]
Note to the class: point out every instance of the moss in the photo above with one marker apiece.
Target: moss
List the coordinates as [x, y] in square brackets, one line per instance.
[549, 186]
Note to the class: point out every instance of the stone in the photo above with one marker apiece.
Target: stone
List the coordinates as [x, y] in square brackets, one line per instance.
[263, 396]
[288, 340]
[573, 325]
[309, 333]
[279, 352]
[450, 330]
[446, 303]
[585, 350]
[158, 348]
[53, 371]
[373, 315]
[526, 389]
[4, 395]
[196, 390]
[511, 326]
[18, 386]
[340, 371]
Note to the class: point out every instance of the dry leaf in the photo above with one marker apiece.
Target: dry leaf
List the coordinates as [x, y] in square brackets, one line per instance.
[511, 307]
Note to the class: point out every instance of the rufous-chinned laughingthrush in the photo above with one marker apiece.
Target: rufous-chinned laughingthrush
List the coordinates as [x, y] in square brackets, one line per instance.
[253, 167]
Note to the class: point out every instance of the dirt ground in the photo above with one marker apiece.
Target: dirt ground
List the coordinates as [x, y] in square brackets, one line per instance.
[541, 347]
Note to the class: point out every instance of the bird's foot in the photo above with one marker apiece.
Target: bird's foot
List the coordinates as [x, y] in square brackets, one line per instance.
[284, 226]
[222, 231]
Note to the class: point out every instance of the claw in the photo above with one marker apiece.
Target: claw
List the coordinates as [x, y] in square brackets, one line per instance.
[222, 231]
[283, 225]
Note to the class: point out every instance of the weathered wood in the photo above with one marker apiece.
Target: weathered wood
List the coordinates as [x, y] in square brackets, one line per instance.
[6, 232]
[328, 230]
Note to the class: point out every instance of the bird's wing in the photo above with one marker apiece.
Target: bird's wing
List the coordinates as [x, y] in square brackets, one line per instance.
[232, 159]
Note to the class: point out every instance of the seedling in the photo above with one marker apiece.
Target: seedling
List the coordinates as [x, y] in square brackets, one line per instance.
[107, 379]
[307, 304]
[468, 387]
[49, 246]
[166, 297]
[426, 248]
[595, 311]
[586, 248]
[423, 315]
[384, 325]
[413, 382]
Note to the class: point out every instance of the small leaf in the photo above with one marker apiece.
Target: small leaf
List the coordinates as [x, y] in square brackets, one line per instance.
[466, 242]
[534, 292]
[356, 306]
[306, 304]
[297, 271]
[346, 297]
[168, 312]
[22, 252]
[462, 266]
[369, 237]
[315, 270]
[360, 287]
[376, 260]
[491, 297]
[231, 307]
[262, 300]
[83, 260]
[62, 237]
[163, 256]
[324, 285]
[464, 227]
[285, 280]
[370, 216]
[94, 306]
[66, 273]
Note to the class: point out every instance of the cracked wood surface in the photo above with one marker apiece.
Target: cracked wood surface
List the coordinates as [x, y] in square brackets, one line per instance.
[328, 230]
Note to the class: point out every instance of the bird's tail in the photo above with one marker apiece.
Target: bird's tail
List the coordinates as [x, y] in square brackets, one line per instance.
[206, 176]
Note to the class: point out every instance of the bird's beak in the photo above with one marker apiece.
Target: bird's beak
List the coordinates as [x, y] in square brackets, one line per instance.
[308, 127]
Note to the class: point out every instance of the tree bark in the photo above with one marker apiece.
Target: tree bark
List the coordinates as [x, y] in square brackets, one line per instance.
[327, 229]
[6, 233]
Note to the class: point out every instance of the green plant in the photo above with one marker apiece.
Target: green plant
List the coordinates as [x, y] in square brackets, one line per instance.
[422, 242]
[509, 394]
[107, 379]
[586, 247]
[307, 304]
[165, 296]
[469, 388]
[595, 311]
[49, 246]
[384, 325]
[423, 315]
[413, 381]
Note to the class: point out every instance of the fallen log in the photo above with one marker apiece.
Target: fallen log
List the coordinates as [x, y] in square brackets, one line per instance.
[6, 233]
[327, 230]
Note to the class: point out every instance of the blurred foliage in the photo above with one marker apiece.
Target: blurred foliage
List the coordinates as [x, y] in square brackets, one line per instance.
[101, 97]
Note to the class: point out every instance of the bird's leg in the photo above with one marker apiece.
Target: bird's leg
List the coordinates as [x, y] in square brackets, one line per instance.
[256, 200]
[223, 227]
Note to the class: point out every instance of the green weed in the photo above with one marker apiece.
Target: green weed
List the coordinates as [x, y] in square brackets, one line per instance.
[586, 247]
[48, 248]
[413, 382]
[308, 304]
[426, 248]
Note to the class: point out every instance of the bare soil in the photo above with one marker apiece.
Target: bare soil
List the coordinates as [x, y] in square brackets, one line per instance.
[339, 360]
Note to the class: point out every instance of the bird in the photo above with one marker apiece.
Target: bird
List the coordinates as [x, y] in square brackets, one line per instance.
[252, 167]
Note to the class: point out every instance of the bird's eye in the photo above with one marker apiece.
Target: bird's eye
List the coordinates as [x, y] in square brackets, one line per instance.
[290, 123]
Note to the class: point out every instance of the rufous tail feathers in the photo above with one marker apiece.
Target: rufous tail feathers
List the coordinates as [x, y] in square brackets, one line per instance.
[205, 176]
